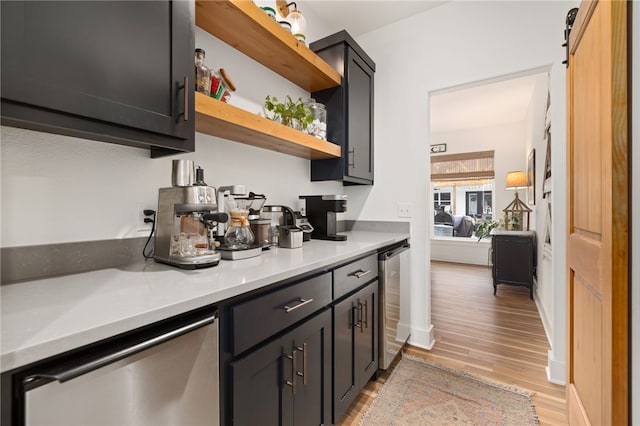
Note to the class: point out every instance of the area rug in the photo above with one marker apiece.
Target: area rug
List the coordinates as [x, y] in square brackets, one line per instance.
[420, 393]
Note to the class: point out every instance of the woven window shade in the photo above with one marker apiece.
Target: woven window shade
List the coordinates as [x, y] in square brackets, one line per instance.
[468, 165]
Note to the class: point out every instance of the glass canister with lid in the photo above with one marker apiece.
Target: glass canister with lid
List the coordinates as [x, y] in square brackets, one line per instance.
[221, 85]
[318, 126]
[202, 73]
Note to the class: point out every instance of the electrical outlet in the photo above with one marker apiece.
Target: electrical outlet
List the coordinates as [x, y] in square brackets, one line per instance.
[405, 210]
[141, 226]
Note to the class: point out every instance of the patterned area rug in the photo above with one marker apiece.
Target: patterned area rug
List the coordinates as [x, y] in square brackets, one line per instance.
[420, 393]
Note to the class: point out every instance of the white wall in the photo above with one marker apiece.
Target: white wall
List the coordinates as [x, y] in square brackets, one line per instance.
[535, 134]
[62, 189]
[461, 250]
[454, 44]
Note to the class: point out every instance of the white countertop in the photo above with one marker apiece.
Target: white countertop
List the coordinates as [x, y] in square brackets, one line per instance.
[45, 317]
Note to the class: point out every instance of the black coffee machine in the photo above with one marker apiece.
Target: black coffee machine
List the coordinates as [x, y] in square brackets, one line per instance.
[321, 211]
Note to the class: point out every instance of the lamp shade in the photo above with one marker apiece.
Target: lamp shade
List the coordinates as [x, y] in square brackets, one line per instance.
[516, 180]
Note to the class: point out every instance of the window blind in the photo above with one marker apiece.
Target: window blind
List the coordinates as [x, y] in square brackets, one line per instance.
[464, 166]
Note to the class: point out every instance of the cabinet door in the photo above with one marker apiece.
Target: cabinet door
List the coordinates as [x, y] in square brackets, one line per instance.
[349, 111]
[512, 259]
[355, 346]
[359, 118]
[312, 349]
[105, 70]
[345, 383]
[367, 334]
[287, 381]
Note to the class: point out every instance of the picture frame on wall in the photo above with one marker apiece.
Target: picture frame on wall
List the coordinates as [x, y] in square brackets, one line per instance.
[531, 178]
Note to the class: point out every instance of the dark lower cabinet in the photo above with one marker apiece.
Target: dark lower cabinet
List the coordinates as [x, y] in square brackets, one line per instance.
[513, 254]
[113, 71]
[349, 111]
[300, 353]
[355, 350]
[287, 381]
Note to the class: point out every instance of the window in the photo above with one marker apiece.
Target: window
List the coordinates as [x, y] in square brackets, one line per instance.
[463, 186]
[442, 199]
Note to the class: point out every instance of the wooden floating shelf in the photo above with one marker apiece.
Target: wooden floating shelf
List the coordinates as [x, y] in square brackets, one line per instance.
[220, 119]
[245, 27]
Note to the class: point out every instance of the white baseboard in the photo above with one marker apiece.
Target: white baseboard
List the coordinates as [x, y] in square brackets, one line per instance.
[556, 370]
[423, 338]
[543, 317]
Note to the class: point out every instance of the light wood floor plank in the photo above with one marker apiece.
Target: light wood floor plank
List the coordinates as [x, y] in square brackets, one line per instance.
[497, 337]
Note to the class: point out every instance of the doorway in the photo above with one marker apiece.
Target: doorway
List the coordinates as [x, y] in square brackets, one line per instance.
[506, 116]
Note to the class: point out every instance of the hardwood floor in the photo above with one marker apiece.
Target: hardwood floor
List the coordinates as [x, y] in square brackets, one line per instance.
[498, 337]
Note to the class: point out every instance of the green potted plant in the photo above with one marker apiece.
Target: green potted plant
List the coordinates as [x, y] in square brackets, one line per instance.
[290, 113]
[484, 229]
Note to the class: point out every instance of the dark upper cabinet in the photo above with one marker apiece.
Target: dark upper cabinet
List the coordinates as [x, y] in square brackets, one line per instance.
[114, 71]
[349, 111]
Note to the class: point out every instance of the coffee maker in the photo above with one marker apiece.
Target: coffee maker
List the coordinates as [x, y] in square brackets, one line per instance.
[186, 220]
[321, 211]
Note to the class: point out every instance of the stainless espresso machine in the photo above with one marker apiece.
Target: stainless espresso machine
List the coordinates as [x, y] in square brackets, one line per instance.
[186, 220]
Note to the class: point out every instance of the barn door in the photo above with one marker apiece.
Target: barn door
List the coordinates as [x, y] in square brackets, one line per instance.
[597, 246]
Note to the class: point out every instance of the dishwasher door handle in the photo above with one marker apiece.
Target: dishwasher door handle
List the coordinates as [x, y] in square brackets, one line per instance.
[389, 254]
[89, 366]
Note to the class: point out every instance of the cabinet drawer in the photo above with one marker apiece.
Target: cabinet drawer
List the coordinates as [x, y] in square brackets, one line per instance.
[353, 275]
[259, 318]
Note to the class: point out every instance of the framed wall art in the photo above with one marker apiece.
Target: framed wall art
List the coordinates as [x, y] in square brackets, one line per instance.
[531, 178]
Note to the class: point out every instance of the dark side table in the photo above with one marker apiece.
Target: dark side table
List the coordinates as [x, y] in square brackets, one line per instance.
[513, 254]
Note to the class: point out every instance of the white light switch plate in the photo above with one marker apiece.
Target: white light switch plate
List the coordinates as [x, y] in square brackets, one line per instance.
[405, 210]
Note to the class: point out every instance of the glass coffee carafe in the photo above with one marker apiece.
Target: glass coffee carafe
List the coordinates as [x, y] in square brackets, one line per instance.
[238, 235]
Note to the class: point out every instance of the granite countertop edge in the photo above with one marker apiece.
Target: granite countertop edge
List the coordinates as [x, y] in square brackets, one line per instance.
[46, 317]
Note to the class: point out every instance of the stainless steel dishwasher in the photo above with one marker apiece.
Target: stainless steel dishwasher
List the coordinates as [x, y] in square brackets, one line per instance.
[393, 264]
[166, 375]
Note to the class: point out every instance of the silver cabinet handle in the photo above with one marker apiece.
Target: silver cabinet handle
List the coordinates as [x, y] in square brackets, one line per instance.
[358, 323]
[352, 153]
[303, 374]
[186, 99]
[359, 273]
[294, 369]
[366, 315]
[300, 304]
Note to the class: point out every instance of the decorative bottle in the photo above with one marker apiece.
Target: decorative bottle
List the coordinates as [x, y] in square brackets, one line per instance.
[203, 74]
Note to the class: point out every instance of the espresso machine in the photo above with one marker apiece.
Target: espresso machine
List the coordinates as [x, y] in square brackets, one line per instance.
[186, 221]
[321, 211]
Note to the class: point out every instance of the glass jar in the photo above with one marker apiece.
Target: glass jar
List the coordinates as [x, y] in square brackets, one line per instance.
[221, 85]
[318, 126]
[203, 74]
[261, 229]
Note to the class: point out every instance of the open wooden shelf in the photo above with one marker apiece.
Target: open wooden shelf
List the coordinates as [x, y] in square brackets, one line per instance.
[220, 119]
[246, 28]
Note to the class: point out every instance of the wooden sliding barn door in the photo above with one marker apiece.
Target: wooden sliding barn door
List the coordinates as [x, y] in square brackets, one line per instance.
[598, 195]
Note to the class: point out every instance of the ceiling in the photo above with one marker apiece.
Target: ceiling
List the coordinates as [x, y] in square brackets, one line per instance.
[490, 104]
[339, 15]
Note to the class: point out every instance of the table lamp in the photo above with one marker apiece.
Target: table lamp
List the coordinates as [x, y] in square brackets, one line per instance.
[516, 210]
